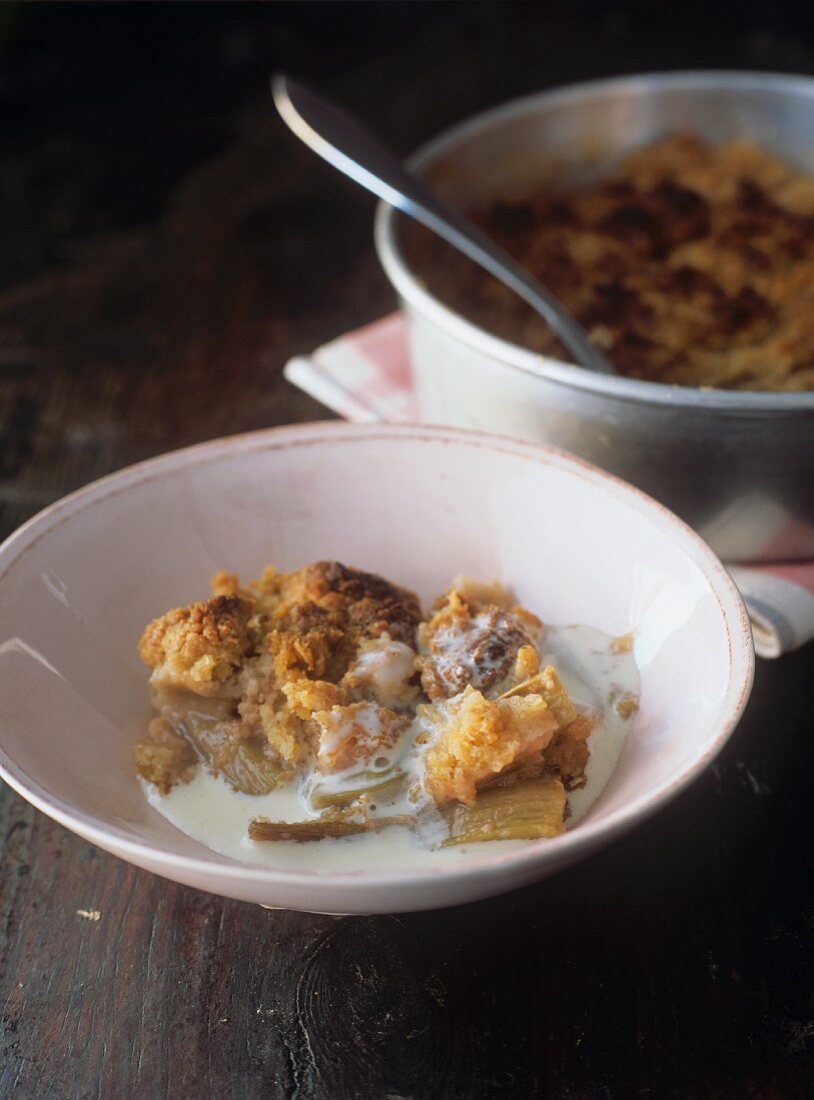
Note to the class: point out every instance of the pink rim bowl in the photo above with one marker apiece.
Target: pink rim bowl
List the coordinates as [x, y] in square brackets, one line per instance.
[80, 580]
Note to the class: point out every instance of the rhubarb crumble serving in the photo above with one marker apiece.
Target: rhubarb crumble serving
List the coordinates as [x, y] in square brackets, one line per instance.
[323, 704]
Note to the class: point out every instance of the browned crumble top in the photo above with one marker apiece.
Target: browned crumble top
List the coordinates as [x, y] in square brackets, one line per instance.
[688, 264]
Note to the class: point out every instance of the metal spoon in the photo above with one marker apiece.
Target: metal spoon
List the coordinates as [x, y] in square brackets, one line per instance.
[345, 143]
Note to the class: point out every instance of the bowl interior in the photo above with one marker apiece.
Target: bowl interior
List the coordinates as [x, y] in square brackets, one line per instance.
[78, 584]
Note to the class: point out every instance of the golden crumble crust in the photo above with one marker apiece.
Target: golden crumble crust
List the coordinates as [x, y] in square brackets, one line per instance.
[163, 757]
[199, 646]
[278, 649]
[325, 612]
[363, 605]
[478, 738]
[688, 264]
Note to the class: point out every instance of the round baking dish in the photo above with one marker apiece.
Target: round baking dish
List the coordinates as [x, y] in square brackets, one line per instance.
[737, 466]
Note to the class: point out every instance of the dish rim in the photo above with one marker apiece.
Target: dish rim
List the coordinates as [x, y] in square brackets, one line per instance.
[581, 840]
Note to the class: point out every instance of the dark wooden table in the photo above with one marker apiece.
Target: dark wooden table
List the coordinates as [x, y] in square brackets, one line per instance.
[165, 247]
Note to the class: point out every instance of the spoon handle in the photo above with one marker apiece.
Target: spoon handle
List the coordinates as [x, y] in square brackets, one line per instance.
[341, 140]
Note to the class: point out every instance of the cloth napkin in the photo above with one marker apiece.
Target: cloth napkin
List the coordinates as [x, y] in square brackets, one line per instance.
[365, 376]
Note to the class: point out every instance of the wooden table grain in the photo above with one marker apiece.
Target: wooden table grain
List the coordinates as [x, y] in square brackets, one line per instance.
[166, 246]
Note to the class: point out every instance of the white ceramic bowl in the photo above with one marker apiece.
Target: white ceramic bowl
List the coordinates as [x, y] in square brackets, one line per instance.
[80, 580]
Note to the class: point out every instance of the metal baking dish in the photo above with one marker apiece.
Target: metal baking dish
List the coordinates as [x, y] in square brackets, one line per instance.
[737, 466]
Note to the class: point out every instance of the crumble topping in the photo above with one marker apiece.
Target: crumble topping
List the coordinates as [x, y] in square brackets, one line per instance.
[165, 756]
[687, 264]
[479, 738]
[200, 646]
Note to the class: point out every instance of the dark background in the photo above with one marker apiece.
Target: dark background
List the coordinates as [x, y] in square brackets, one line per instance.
[165, 246]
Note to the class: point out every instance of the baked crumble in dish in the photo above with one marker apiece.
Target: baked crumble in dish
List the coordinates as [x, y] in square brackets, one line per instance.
[325, 704]
[688, 264]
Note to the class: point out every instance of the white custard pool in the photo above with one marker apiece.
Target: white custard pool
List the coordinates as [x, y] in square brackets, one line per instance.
[596, 673]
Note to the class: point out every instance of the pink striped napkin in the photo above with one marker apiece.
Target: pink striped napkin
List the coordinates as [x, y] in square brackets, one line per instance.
[365, 376]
